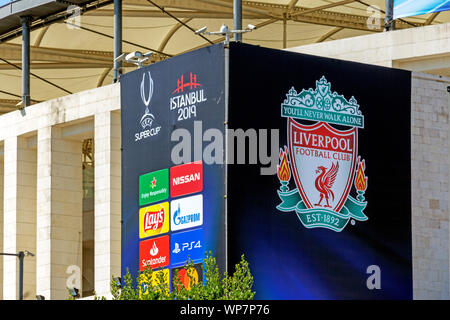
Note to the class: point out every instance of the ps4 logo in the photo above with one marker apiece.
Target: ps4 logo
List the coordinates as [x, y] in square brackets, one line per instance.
[187, 246]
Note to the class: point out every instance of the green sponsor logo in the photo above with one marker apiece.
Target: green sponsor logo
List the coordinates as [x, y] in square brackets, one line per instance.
[153, 186]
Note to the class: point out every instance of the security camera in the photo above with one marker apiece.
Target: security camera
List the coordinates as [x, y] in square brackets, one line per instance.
[134, 55]
[251, 27]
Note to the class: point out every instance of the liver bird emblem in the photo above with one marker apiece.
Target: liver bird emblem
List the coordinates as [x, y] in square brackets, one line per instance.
[324, 183]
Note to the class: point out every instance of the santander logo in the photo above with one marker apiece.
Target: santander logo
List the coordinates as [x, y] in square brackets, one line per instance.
[154, 250]
[153, 220]
[154, 253]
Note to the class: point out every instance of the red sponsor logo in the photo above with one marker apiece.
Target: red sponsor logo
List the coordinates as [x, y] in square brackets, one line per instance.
[186, 179]
[154, 253]
[191, 84]
[154, 220]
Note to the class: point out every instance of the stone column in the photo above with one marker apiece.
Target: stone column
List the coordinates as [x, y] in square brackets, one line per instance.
[19, 221]
[59, 214]
[107, 229]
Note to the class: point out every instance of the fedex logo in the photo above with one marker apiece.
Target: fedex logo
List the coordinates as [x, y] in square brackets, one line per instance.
[186, 179]
[186, 244]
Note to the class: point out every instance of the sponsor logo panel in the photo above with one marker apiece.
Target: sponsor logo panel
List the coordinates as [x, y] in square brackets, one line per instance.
[153, 187]
[186, 244]
[154, 253]
[189, 277]
[186, 212]
[154, 220]
[186, 179]
[145, 282]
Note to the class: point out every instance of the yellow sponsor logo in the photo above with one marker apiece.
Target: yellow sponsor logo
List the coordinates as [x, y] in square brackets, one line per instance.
[154, 220]
[154, 283]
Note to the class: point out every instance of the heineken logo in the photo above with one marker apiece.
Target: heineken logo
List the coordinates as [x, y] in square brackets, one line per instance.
[153, 187]
[322, 159]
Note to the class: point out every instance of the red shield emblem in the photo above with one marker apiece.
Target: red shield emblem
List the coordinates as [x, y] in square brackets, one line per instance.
[323, 160]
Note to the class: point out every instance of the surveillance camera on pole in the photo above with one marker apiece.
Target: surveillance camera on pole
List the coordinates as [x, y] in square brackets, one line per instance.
[225, 31]
[136, 57]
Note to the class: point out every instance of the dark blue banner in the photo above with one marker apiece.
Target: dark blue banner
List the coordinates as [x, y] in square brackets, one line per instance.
[333, 219]
[171, 195]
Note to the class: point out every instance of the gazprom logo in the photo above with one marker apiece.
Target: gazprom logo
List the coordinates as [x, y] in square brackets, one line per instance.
[186, 212]
[188, 218]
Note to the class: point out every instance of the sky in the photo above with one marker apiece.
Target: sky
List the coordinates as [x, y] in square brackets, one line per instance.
[406, 8]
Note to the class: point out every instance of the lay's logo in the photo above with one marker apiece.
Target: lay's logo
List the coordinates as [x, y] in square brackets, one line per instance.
[154, 220]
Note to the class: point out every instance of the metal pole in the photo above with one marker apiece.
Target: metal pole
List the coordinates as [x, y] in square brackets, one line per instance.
[21, 255]
[237, 16]
[25, 60]
[117, 38]
[389, 16]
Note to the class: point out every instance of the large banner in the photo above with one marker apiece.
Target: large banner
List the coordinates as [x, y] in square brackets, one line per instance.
[316, 187]
[172, 197]
[325, 212]
[407, 8]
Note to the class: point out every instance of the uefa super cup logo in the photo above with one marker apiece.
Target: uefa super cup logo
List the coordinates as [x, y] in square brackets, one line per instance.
[147, 118]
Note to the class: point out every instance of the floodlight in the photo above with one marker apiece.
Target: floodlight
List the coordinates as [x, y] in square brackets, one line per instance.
[135, 57]
[224, 29]
[201, 30]
[28, 253]
[121, 57]
[20, 105]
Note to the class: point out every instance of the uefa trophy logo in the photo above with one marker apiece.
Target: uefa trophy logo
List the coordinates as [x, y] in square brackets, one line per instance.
[148, 118]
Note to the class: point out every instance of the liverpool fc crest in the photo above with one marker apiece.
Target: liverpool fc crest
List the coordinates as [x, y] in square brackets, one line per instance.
[323, 159]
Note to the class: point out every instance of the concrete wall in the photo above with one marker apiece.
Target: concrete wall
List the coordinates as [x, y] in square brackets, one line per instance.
[430, 186]
[425, 49]
[42, 211]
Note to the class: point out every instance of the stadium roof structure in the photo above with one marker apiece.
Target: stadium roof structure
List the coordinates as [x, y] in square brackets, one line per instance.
[71, 42]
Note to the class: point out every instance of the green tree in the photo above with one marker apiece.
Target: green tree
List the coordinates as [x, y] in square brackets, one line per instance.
[154, 284]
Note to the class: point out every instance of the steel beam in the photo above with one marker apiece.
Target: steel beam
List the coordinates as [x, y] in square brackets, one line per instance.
[26, 60]
[237, 19]
[117, 39]
[389, 16]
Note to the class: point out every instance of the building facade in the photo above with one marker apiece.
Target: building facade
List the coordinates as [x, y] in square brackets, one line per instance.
[67, 210]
